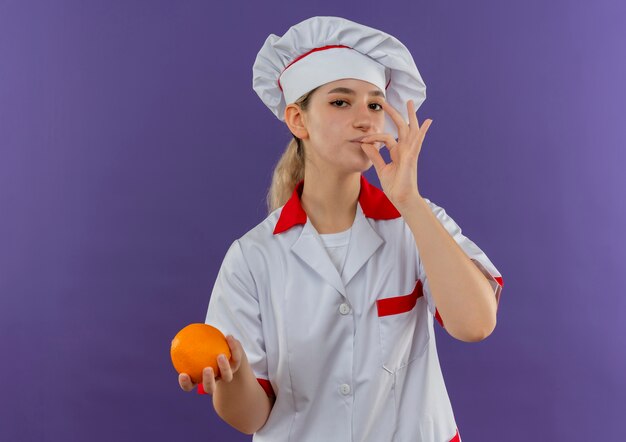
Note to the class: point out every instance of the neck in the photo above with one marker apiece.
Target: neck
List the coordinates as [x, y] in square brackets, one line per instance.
[330, 200]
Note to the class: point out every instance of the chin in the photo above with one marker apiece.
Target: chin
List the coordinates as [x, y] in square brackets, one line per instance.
[362, 166]
[357, 163]
[365, 162]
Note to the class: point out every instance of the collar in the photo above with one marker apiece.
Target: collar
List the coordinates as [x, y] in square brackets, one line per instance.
[372, 200]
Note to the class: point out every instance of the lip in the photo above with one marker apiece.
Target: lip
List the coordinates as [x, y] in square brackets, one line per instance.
[358, 140]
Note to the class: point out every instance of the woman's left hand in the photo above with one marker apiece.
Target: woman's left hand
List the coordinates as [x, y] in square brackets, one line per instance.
[399, 177]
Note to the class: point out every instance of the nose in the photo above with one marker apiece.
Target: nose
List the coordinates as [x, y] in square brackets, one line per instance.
[363, 117]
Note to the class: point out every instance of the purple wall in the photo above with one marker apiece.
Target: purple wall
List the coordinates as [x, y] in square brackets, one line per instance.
[133, 150]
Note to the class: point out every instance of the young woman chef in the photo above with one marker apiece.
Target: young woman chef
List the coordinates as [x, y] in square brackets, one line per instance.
[329, 302]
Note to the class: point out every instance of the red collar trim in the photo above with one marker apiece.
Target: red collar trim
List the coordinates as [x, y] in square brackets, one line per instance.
[373, 201]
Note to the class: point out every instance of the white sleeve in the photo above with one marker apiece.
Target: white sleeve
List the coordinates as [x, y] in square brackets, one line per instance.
[477, 256]
[234, 308]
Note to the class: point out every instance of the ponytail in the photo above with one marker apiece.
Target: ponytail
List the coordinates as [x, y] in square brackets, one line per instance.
[288, 172]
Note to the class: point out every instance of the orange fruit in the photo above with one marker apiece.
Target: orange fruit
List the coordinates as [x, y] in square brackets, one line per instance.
[197, 346]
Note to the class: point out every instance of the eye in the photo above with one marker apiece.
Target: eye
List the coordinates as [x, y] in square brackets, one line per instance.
[338, 101]
[376, 104]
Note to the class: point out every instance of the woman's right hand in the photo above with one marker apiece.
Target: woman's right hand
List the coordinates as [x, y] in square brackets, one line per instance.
[227, 369]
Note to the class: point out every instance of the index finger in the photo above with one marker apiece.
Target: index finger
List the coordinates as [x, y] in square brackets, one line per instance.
[185, 382]
[396, 117]
[413, 123]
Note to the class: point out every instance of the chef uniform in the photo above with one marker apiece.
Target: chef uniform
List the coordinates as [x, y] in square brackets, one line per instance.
[339, 327]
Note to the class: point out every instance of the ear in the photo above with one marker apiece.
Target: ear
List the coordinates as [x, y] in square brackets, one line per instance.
[295, 120]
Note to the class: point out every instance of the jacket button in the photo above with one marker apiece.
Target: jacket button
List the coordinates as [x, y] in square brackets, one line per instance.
[344, 389]
[344, 309]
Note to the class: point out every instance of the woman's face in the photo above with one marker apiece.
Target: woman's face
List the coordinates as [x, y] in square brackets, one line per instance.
[338, 114]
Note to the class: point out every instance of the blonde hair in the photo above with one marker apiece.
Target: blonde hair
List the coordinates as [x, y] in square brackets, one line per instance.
[289, 169]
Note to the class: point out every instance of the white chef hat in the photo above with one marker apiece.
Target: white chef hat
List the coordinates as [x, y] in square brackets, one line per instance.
[323, 49]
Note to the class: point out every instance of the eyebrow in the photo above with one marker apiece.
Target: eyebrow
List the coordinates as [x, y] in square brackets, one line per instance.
[349, 91]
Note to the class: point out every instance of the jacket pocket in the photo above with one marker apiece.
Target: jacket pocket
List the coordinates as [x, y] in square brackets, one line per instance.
[403, 325]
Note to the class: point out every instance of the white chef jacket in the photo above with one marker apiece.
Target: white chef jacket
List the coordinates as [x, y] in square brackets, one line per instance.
[351, 357]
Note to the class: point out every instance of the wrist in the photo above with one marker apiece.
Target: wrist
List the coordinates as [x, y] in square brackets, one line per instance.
[411, 203]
